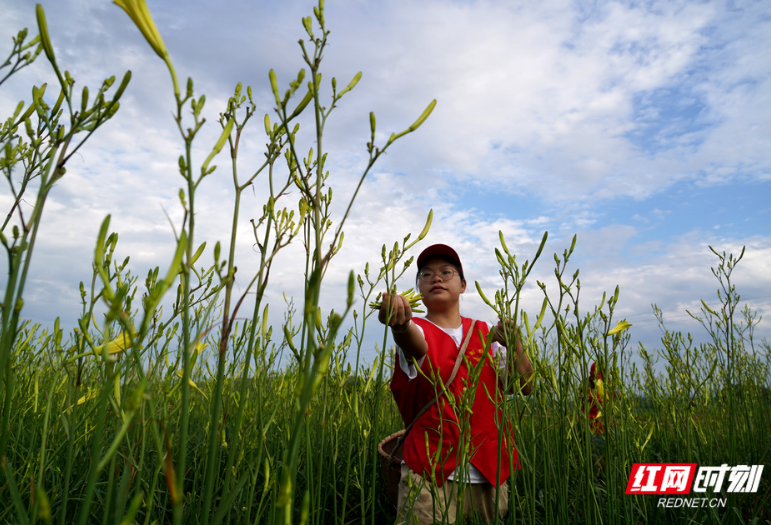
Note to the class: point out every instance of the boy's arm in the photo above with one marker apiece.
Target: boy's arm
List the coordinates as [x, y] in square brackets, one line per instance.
[519, 364]
[406, 335]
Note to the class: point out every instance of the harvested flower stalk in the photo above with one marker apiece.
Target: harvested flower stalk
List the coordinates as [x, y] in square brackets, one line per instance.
[413, 297]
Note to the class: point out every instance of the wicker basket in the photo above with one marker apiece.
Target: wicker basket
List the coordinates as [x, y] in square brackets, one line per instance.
[392, 468]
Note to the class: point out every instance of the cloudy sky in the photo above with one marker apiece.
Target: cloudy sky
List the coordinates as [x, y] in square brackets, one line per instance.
[642, 127]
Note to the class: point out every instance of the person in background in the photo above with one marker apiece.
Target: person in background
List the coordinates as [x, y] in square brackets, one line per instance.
[594, 398]
[433, 475]
[595, 393]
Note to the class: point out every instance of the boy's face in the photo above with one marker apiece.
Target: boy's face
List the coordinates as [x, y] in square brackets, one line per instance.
[437, 290]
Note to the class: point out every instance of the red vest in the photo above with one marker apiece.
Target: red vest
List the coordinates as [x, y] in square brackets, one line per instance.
[433, 440]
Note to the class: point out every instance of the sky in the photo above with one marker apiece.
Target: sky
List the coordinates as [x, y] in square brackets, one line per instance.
[641, 127]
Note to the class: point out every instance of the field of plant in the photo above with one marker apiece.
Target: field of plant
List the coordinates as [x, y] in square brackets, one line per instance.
[164, 406]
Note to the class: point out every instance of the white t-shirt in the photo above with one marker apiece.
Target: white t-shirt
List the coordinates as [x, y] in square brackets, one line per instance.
[497, 351]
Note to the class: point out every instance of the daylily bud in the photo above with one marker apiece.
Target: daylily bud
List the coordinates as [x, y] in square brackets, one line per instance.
[274, 86]
[307, 25]
[706, 307]
[350, 85]
[422, 118]
[540, 248]
[45, 40]
[217, 249]
[482, 295]
[540, 316]
[58, 104]
[503, 242]
[123, 84]
[500, 258]
[197, 253]
[19, 107]
[112, 109]
[38, 92]
[218, 146]
[351, 287]
[303, 104]
[84, 100]
[27, 113]
[427, 226]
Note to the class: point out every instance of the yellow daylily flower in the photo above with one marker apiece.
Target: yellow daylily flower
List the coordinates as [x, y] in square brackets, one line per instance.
[599, 388]
[88, 396]
[180, 374]
[117, 345]
[140, 14]
[620, 327]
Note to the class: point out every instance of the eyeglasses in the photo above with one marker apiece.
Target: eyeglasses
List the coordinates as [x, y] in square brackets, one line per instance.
[445, 274]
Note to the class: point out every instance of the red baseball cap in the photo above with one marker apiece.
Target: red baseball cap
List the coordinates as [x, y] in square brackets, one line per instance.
[443, 251]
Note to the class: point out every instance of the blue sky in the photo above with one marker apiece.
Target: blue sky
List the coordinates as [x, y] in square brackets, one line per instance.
[642, 127]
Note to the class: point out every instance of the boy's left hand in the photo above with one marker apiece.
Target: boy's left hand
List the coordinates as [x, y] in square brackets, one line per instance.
[501, 330]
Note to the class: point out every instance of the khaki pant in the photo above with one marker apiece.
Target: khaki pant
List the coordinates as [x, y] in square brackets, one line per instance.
[418, 506]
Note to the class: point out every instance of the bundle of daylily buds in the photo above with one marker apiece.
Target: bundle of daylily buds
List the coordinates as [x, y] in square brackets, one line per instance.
[411, 295]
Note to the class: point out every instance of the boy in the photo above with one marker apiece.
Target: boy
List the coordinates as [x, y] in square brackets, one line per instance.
[435, 465]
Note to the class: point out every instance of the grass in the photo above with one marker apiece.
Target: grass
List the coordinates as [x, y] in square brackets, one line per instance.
[563, 477]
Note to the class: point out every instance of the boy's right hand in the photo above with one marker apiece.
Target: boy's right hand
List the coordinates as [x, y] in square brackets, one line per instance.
[400, 314]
